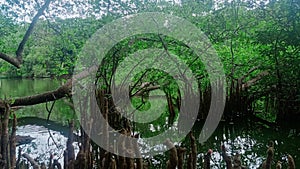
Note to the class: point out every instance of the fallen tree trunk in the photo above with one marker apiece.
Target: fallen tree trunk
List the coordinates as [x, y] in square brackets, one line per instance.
[61, 92]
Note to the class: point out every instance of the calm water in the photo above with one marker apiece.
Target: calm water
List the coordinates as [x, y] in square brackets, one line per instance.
[250, 139]
[49, 138]
[24, 87]
[247, 138]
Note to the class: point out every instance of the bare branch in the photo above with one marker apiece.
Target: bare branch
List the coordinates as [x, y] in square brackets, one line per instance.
[30, 30]
[63, 91]
[248, 73]
[18, 60]
[31, 160]
[10, 60]
[146, 89]
[254, 80]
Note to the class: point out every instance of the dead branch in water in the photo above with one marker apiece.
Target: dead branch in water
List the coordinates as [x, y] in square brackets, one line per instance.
[31, 160]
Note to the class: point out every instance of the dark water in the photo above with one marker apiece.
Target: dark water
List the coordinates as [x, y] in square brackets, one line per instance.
[247, 138]
[250, 139]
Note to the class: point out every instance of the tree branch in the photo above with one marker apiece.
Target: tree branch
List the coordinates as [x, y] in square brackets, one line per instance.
[248, 73]
[254, 80]
[61, 92]
[31, 160]
[10, 60]
[18, 60]
[30, 30]
[44, 97]
[146, 89]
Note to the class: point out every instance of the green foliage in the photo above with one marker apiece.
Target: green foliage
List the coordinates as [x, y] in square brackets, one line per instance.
[250, 38]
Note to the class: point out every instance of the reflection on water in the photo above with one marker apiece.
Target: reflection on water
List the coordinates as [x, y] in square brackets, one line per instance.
[13, 88]
[240, 145]
[46, 142]
[24, 87]
[49, 138]
[250, 139]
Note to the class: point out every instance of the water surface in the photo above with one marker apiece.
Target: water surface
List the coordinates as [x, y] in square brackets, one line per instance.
[248, 138]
